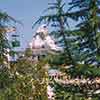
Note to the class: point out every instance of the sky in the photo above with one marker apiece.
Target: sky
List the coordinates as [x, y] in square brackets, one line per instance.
[26, 11]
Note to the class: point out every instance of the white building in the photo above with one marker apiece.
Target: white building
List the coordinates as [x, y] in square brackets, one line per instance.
[43, 43]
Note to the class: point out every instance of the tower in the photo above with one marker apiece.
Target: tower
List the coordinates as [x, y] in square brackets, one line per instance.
[42, 43]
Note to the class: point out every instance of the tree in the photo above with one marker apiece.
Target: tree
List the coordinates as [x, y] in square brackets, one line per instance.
[30, 80]
[4, 45]
[89, 24]
[88, 12]
[5, 75]
[86, 48]
[21, 79]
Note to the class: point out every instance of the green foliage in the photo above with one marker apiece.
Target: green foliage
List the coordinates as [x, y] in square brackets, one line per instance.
[5, 19]
[28, 80]
[23, 79]
[89, 13]
[83, 52]
[34, 76]
[85, 71]
[71, 92]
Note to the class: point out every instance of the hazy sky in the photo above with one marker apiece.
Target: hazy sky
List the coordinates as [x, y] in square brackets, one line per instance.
[25, 11]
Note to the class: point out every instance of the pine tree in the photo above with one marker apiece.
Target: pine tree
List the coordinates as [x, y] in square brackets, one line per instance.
[88, 12]
[86, 45]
